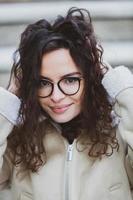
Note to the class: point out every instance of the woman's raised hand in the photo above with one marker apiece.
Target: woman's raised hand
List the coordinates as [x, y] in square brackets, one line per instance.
[105, 67]
[13, 85]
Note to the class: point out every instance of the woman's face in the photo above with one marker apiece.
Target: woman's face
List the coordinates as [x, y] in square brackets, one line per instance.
[58, 65]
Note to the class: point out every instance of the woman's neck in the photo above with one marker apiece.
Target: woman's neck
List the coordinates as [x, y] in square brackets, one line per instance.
[71, 130]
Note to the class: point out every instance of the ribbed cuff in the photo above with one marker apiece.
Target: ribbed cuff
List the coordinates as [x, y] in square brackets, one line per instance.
[116, 80]
[9, 105]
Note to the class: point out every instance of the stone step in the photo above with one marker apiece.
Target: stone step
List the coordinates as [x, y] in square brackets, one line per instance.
[113, 23]
[119, 53]
[112, 20]
[28, 12]
[115, 52]
[105, 30]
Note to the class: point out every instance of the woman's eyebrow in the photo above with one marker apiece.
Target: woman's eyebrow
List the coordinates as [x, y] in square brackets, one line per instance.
[71, 74]
[44, 77]
[64, 76]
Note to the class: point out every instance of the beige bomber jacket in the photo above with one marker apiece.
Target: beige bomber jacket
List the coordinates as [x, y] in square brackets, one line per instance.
[70, 174]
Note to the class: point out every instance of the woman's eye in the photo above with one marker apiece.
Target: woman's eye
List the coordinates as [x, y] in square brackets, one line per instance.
[44, 83]
[71, 80]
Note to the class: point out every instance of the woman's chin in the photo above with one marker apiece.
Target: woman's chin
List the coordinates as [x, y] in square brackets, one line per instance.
[61, 120]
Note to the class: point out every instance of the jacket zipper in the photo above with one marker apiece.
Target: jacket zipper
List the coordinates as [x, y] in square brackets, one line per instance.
[67, 170]
[69, 152]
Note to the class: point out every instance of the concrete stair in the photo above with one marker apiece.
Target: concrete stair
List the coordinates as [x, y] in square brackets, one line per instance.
[113, 23]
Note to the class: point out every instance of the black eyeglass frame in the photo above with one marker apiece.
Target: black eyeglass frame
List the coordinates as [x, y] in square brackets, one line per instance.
[58, 84]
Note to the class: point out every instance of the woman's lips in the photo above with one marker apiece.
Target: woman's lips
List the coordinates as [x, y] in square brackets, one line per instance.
[60, 109]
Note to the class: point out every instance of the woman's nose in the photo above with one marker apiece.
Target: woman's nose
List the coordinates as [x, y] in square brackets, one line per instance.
[57, 94]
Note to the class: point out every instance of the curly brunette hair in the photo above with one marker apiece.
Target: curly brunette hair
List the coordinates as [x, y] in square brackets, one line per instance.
[75, 33]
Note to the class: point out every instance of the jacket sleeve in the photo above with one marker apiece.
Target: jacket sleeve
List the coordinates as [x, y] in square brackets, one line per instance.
[9, 107]
[118, 82]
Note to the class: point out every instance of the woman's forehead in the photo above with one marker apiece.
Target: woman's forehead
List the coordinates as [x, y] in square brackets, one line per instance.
[58, 63]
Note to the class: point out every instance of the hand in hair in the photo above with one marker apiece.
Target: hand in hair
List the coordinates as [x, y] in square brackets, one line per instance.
[105, 67]
[13, 85]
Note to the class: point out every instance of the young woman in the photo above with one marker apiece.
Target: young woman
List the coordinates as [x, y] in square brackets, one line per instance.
[66, 118]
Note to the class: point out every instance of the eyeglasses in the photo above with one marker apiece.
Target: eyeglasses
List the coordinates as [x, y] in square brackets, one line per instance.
[68, 86]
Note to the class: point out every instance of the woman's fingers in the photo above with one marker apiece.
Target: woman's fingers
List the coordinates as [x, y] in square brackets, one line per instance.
[13, 85]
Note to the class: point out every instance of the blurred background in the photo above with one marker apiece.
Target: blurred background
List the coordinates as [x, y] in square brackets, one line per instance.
[113, 23]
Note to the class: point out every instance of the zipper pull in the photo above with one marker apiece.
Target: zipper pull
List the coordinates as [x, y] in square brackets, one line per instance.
[69, 152]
